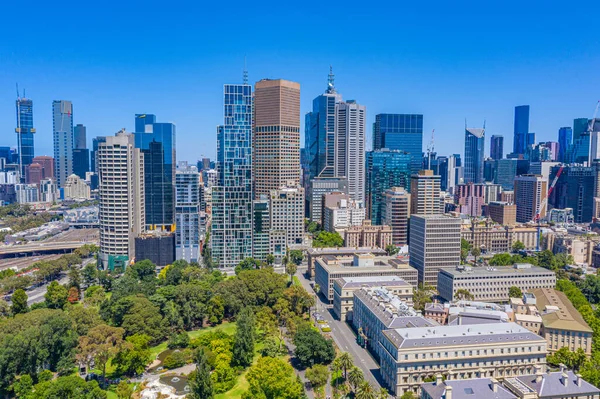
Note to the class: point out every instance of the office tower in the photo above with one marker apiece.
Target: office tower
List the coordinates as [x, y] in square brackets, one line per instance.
[95, 143]
[47, 164]
[451, 172]
[79, 136]
[565, 139]
[81, 161]
[157, 246]
[489, 169]
[286, 206]
[505, 173]
[395, 213]
[434, 244]
[121, 189]
[497, 147]
[63, 140]
[471, 197]
[385, 169]
[350, 136]
[231, 238]
[580, 150]
[187, 213]
[521, 129]
[25, 131]
[320, 133]
[320, 186]
[49, 191]
[157, 142]
[594, 133]
[27, 193]
[261, 227]
[530, 191]
[580, 126]
[34, 173]
[424, 193]
[504, 213]
[276, 140]
[341, 212]
[403, 132]
[203, 164]
[553, 147]
[574, 189]
[474, 146]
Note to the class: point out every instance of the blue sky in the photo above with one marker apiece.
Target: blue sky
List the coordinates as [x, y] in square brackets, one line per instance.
[447, 60]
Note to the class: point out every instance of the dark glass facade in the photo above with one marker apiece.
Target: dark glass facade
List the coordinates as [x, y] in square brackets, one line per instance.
[474, 147]
[580, 125]
[403, 132]
[81, 161]
[157, 143]
[497, 147]
[319, 141]
[159, 250]
[385, 169]
[521, 129]
[95, 143]
[574, 189]
[505, 173]
[565, 140]
[25, 133]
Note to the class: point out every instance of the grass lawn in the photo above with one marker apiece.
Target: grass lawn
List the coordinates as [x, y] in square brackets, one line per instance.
[297, 281]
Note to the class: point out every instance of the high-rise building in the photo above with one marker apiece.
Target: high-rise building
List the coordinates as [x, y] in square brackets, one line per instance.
[395, 213]
[403, 132]
[34, 173]
[157, 142]
[580, 126]
[385, 169]
[62, 112]
[424, 193]
[49, 191]
[286, 205]
[489, 169]
[474, 147]
[506, 171]
[497, 147]
[122, 208]
[320, 186]
[79, 136]
[470, 198]
[530, 191]
[434, 244]
[261, 229]
[95, 142]
[502, 212]
[27, 193]
[81, 161]
[340, 212]
[47, 164]
[521, 129]
[350, 134]
[553, 148]
[565, 140]
[450, 171]
[231, 236]
[276, 140]
[25, 131]
[187, 213]
[575, 188]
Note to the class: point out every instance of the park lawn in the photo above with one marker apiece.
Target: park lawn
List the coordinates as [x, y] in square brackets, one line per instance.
[296, 280]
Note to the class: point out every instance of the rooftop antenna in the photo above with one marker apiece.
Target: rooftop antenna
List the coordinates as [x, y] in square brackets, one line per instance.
[484, 124]
[17, 91]
[245, 72]
[331, 81]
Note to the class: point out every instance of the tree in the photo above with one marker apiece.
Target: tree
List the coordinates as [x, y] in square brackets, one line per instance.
[515, 292]
[19, 302]
[383, 394]
[464, 295]
[69, 387]
[296, 256]
[312, 348]
[391, 249]
[247, 264]
[476, 252]
[573, 360]
[326, 239]
[317, 375]
[355, 377]
[272, 378]
[201, 385]
[216, 310]
[84, 318]
[243, 341]
[133, 358]
[421, 297]
[346, 363]
[100, 344]
[75, 278]
[270, 259]
[124, 391]
[501, 260]
[518, 246]
[94, 296]
[56, 295]
[73, 295]
[365, 391]
[408, 395]
[291, 269]
[465, 247]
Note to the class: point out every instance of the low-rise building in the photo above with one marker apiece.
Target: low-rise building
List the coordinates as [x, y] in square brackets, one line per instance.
[344, 288]
[367, 235]
[579, 247]
[474, 388]
[491, 284]
[552, 385]
[488, 236]
[314, 253]
[504, 213]
[340, 212]
[436, 311]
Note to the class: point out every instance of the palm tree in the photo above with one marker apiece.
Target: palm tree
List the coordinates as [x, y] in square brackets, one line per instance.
[336, 367]
[365, 391]
[383, 394]
[346, 363]
[355, 377]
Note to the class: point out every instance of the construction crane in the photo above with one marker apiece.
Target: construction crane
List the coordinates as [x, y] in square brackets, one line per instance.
[544, 203]
[430, 149]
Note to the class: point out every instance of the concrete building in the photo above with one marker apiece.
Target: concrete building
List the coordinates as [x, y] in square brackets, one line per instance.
[561, 216]
[49, 191]
[367, 235]
[157, 246]
[488, 236]
[505, 173]
[580, 248]
[424, 193]
[350, 137]
[122, 207]
[497, 146]
[261, 229]
[319, 187]
[527, 235]
[76, 188]
[465, 389]
[552, 385]
[286, 206]
[491, 284]
[27, 193]
[330, 267]
[502, 212]
[508, 196]
[345, 287]
[530, 191]
[470, 198]
[434, 244]
[62, 123]
[575, 189]
[395, 213]
[187, 213]
[342, 212]
[34, 173]
[276, 135]
[312, 254]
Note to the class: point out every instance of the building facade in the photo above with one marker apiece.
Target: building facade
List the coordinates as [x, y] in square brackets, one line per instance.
[287, 214]
[425, 193]
[521, 129]
[76, 188]
[350, 138]
[474, 155]
[395, 213]
[341, 212]
[497, 147]
[502, 212]
[368, 235]
[25, 133]
[62, 123]
[530, 191]
[402, 132]
[319, 187]
[575, 188]
[187, 213]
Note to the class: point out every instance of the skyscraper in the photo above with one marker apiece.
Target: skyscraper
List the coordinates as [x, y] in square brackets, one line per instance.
[276, 140]
[565, 139]
[79, 136]
[474, 147]
[231, 238]
[25, 131]
[286, 205]
[187, 213]
[320, 186]
[157, 143]
[395, 213]
[506, 170]
[580, 125]
[530, 191]
[497, 147]
[521, 129]
[385, 169]
[81, 154]
[47, 164]
[402, 132]
[63, 140]
[121, 188]
[574, 189]
[350, 136]
[424, 193]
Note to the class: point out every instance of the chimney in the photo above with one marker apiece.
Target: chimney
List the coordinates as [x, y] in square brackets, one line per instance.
[539, 376]
[563, 368]
[494, 384]
[438, 379]
[579, 379]
[564, 379]
[448, 394]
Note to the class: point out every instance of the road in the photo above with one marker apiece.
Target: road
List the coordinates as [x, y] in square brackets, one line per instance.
[344, 337]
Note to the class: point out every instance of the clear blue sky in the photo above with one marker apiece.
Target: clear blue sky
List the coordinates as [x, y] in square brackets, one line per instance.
[447, 60]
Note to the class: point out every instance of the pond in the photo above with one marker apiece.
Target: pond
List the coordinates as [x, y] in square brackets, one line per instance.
[179, 382]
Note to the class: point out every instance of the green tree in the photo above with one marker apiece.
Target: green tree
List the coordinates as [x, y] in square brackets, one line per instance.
[391, 249]
[89, 274]
[476, 252]
[23, 386]
[100, 344]
[19, 302]
[70, 387]
[243, 342]
[365, 391]
[296, 256]
[124, 391]
[326, 239]
[75, 279]
[270, 259]
[291, 269]
[518, 246]
[94, 296]
[272, 378]
[421, 297]
[312, 348]
[383, 394]
[247, 264]
[201, 385]
[56, 295]
[501, 260]
[216, 310]
[132, 359]
[355, 377]
[546, 259]
[84, 318]
[465, 247]
[515, 292]
[464, 295]
[408, 395]
[346, 363]
[317, 375]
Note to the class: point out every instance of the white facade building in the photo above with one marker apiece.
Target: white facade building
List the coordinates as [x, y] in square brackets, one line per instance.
[27, 193]
[286, 207]
[76, 188]
[350, 136]
[187, 213]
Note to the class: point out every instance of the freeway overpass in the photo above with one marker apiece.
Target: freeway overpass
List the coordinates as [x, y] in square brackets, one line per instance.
[43, 248]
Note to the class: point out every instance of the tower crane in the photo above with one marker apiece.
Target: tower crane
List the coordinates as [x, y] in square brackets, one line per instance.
[544, 203]
[430, 149]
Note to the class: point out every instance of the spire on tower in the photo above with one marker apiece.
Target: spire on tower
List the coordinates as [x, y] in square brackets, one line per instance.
[245, 81]
[330, 81]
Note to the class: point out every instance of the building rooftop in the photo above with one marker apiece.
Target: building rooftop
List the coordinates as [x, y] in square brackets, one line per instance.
[372, 281]
[468, 389]
[553, 384]
[346, 251]
[558, 312]
[520, 268]
[333, 263]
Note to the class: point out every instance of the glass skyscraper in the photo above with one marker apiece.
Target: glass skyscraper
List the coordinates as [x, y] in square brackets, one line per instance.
[474, 147]
[497, 147]
[575, 189]
[580, 125]
[565, 140]
[403, 132]
[25, 131]
[231, 237]
[385, 169]
[63, 140]
[521, 130]
[157, 142]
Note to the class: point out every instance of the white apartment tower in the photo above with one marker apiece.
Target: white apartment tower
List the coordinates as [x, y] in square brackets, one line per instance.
[287, 215]
[350, 136]
[187, 213]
